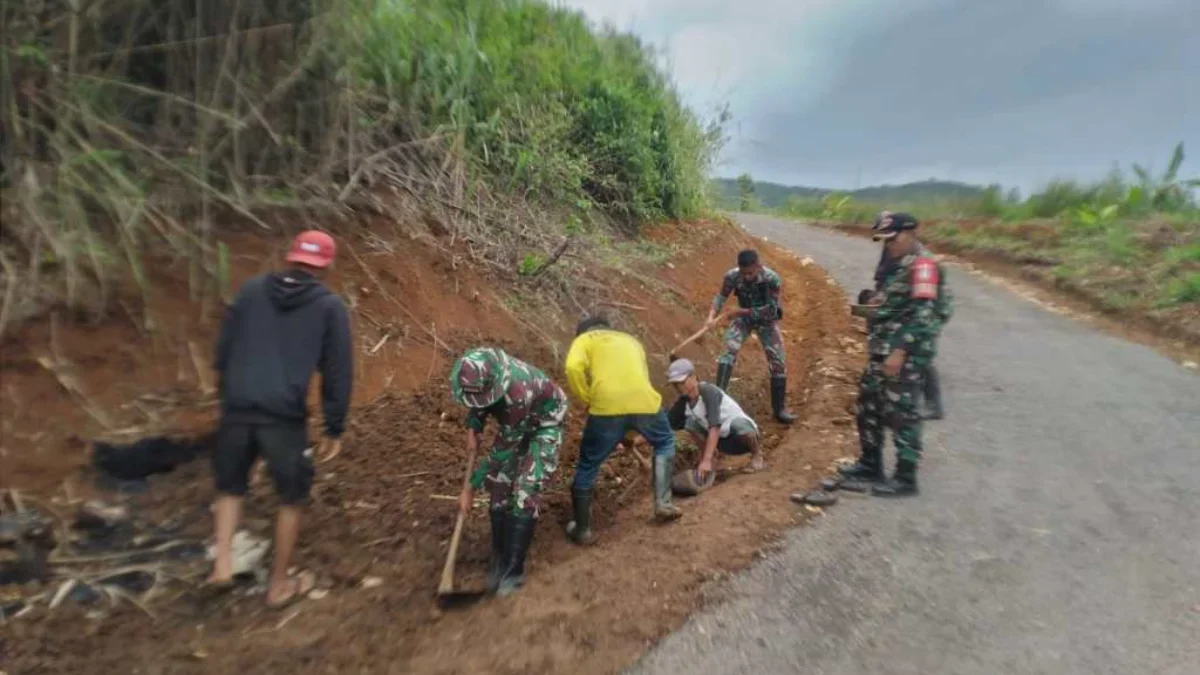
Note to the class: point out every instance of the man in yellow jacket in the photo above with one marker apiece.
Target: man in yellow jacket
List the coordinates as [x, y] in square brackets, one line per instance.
[607, 372]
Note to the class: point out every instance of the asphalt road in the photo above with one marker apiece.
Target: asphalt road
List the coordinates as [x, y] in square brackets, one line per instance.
[1057, 532]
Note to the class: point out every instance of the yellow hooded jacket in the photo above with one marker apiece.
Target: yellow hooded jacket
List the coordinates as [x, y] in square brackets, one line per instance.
[607, 372]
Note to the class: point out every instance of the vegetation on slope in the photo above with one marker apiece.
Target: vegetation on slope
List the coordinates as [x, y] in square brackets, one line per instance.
[137, 127]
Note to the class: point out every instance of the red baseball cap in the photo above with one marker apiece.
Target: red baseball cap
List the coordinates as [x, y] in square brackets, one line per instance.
[313, 248]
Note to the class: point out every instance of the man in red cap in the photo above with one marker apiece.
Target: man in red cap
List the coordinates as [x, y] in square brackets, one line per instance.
[281, 328]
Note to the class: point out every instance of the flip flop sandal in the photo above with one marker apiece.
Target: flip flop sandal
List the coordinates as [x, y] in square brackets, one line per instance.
[301, 584]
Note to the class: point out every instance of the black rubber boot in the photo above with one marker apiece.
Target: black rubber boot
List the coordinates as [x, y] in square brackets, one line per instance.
[496, 562]
[932, 393]
[778, 398]
[579, 530]
[518, 531]
[863, 474]
[902, 484]
[664, 510]
[724, 373]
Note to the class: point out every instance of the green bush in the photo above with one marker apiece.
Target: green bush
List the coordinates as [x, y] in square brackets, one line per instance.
[543, 101]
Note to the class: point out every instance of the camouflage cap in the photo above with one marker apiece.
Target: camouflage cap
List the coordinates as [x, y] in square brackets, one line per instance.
[480, 377]
[888, 224]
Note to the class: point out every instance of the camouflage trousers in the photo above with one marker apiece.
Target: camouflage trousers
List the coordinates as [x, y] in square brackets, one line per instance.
[890, 403]
[516, 477]
[768, 334]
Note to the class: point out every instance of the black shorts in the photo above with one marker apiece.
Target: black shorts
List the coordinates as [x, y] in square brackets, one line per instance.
[283, 446]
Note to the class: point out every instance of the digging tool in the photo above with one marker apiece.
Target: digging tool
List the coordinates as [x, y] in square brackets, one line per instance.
[674, 353]
[447, 596]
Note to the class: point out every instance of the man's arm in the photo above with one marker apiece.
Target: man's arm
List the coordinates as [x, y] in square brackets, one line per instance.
[508, 439]
[577, 367]
[727, 285]
[677, 414]
[921, 322]
[229, 327]
[337, 367]
[711, 396]
[225, 339]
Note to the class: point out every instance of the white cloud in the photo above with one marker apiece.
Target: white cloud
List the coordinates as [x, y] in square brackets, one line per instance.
[835, 91]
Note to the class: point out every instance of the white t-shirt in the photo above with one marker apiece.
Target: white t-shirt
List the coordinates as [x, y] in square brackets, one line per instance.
[724, 409]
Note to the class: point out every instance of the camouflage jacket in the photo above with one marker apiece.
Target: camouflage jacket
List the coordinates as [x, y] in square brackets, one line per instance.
[944, 308]
[760, 295]
[915, 297]
[531, 401]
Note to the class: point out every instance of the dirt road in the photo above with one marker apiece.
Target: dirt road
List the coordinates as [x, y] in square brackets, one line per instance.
[1056, 532]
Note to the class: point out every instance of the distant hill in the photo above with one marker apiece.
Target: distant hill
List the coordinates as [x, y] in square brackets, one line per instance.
[774, 195]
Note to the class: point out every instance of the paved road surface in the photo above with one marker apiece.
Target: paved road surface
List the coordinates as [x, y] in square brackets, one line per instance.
[1058, 530]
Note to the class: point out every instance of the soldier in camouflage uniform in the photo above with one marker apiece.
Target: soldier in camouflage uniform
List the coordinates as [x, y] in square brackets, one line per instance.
[531, 411]
[901, 345]
[758, 290]
[931, 392]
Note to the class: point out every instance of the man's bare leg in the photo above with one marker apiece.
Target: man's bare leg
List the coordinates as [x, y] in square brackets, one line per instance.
[287, 530]
[757, 463]
[229, 512]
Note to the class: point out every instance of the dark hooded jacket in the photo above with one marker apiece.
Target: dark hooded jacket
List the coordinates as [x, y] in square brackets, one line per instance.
[281, 328]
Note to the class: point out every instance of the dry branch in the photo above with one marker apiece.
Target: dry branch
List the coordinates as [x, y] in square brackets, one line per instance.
[558, 252]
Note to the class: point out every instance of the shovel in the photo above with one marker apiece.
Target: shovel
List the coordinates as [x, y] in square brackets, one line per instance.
[674, 353]
[446, 595]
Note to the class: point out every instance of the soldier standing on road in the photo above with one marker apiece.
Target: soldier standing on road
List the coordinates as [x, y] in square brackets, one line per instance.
[901, 331]
[531, 411]
[931, 392]
[281, 328]
[608, 373]
[758, 290]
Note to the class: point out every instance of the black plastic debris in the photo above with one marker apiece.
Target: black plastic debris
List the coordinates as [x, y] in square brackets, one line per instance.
[26, 539]
[84, 594]
[136, 581]
[126, 465]
[9, 610]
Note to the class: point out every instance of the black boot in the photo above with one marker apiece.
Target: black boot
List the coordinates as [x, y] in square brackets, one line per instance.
[867, 471]
[518, 531]
[724, 372]
[579, 530]
[778, 396]
[496, 562]
[932, 392]
[902, 484]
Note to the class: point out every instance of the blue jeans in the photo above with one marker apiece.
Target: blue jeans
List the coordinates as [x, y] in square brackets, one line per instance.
[603, 432]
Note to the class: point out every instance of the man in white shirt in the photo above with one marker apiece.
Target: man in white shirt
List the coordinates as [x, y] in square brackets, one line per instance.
[714, 420]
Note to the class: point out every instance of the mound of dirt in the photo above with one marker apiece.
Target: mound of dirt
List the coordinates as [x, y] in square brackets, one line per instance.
[385, 508]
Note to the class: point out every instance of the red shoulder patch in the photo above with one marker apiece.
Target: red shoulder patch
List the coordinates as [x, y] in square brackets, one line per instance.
[924, 279]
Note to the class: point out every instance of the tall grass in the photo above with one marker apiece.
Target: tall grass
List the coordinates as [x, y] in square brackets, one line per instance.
[135, 128]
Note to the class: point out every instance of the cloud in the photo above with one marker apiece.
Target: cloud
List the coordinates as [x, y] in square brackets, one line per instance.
[1019, 91]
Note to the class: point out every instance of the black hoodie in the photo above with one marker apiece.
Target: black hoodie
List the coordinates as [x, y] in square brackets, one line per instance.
[281, 328]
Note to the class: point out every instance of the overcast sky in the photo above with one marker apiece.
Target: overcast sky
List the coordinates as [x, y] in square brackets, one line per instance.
[843, 92]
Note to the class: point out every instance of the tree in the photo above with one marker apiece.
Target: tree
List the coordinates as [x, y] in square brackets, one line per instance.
[745, 192]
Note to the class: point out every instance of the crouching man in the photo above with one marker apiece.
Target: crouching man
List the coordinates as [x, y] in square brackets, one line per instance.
[715, 421]
[531, 411]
